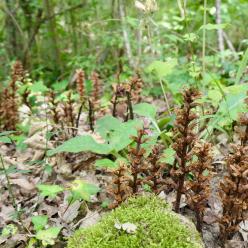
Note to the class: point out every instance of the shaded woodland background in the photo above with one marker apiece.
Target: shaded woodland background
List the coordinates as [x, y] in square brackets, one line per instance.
[52, 37]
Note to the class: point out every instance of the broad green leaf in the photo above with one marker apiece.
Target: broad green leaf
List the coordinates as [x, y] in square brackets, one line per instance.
[48, 236]
[38, 87]
[211, 26]
[161, 68]
[6, 133]
[107, 124]
[49, 190]
[5, 139]
[105, 163]
[215, 96]
[81, 144]
[116, 136]
[61, 85]
[168, 156]
[81, 190]
[39, 222]
[145, 109]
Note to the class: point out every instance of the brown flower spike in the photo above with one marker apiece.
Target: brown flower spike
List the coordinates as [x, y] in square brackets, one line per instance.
[198, 189]
[185, 136]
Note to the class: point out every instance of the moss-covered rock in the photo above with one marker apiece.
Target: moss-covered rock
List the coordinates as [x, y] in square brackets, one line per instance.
[157, 226]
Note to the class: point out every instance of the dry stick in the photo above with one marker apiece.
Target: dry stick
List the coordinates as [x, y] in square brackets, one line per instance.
[229, 43]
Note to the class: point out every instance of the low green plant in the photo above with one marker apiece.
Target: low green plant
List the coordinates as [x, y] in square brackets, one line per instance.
[144, 221]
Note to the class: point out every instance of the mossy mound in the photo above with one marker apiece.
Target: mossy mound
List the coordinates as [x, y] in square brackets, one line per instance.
[157, 226]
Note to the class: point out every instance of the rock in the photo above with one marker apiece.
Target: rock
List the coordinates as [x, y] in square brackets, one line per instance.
[155, 226]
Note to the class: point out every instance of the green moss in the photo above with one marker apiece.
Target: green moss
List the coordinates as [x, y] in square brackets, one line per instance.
[156, 225]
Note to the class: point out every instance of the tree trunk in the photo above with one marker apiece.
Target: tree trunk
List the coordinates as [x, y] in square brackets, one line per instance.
[125, 34]
[54, 51]
[13, 34]
[219, 30]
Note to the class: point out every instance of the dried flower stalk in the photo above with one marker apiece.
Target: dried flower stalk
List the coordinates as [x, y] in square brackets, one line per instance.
[119, 187]
[198, 190]
[185, 138]
[234, 192]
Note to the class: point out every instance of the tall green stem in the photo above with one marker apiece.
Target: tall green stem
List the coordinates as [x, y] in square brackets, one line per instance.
[204, 38]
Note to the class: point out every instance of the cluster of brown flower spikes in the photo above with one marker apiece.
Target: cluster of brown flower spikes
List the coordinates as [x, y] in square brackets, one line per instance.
[127, 180]
[234, 187]
[187, 145]
[9, 115]
[127, 93]
[67, 112]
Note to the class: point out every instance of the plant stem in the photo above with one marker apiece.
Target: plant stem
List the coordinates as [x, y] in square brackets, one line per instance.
[204, 38]
[165, 96]
[8, 184]
[130, 106]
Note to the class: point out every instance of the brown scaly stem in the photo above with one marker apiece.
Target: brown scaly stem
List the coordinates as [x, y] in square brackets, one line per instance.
[185, 138]
[136, 159]
[9, 115]
[91, 115]
[119, 187]
[234, 192]
[198, 189]
[54, 105]
[119, 91]
[154, 171]
[234, 187]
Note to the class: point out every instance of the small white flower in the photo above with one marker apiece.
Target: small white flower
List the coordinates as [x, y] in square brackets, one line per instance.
[129, 227]
[118, 226]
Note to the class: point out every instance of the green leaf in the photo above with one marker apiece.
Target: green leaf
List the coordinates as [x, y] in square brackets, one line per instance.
[12, 170]
[6, 133]
[38, 87]
[48, 236]
[242, 67]
[105, 163]
[81, 190]
[168, 156]
[5, 139]
[81, 144]
[211, 26]
[215, 96]
[60, 86]
[192, 37]
[49, 190]
[116, 136]
[107, 124]
[145, 109]
[39, 222]
[161, 68]
[8, 230]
